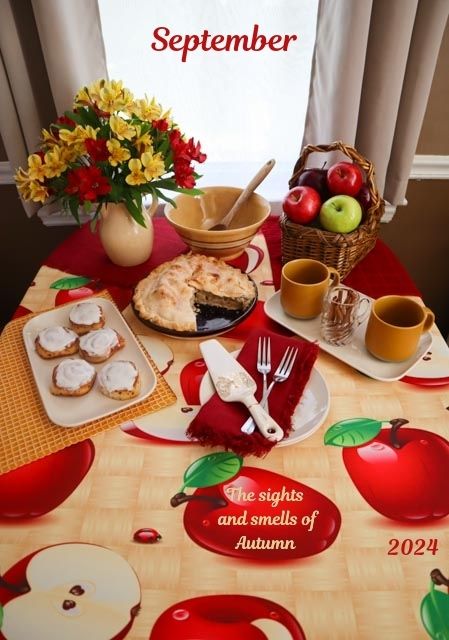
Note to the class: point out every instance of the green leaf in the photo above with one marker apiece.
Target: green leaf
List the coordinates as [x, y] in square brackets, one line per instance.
[1, 616]
[70, 283]
[76, 117]
[134, 210]
[435, 613]
[162, 196]
[73, 206]
[352, 432]
[212, 469]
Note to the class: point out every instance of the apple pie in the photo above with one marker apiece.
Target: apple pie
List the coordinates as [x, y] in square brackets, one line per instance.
[170, 297]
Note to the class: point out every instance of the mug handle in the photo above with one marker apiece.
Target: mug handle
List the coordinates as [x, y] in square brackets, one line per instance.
[430, 319]
[362, 314]
[150, 208]
[334, 276]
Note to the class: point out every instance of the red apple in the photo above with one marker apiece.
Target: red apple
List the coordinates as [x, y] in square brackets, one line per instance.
[64, 591]
[401, 473]
[302, 204]
[344, 178]
[221, 617]
[364, 197]
[315, 178]
[259, 514]
[40, 486]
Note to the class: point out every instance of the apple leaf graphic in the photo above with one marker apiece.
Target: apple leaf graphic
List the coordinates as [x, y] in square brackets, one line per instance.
[352, 432]
[435, 613]
[212, 469]
[70, 282]
[1, 616]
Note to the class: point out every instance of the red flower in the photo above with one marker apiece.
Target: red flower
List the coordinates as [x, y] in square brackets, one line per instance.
[184, 174]
[161, 125]
[87, 183]
[65, 120]
[97, 149]
[194, 150]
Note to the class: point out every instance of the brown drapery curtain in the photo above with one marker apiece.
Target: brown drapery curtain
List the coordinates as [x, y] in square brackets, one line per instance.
[49, 49]
[372, 71]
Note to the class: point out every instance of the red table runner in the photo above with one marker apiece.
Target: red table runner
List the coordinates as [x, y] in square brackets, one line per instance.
[379, 273]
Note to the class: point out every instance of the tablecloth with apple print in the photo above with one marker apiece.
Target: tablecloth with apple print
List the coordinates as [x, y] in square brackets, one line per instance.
[364, 586]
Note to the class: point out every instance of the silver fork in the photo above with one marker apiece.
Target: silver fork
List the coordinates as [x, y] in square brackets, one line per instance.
[264, 362]
[280, 375]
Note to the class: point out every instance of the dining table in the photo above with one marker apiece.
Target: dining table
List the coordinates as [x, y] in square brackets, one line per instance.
[114, 527]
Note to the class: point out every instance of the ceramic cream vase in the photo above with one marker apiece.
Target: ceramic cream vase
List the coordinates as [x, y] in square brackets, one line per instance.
[126, 243]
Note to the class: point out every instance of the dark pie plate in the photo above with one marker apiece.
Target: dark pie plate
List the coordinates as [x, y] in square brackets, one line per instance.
[210, 320]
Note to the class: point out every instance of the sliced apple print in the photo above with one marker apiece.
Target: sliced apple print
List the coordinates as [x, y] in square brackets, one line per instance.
[75, 591]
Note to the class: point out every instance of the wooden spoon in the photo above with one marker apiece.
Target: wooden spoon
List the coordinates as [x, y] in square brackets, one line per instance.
[211, 225]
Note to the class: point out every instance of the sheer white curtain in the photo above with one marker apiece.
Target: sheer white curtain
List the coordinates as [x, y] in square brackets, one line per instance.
[373, 66]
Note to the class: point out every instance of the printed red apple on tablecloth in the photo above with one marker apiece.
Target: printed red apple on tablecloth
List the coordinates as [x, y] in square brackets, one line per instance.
[401, 472]
[253, 513]
[73, 288]
[435, 607]
[225, 617]
[70, 591]
[40, 486]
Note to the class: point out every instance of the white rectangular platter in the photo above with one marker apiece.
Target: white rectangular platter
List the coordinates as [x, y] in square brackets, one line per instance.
[76, 411]
[355, 354]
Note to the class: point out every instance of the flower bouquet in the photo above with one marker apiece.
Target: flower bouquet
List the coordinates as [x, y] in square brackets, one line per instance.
[110, 148]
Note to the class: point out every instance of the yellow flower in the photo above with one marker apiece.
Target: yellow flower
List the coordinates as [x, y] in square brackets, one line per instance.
[78, 134]
[117, 153]
[143, 141]
[121, 128]
[38, 193]
[23, 181]
[154, 165]
[48, 138]
[146, 110]
[136, 176]
[82, 98]
[55, 162]
[36, 170]
[113, 97]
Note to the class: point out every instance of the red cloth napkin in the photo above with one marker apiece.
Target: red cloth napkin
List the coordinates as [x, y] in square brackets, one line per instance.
[218, 423]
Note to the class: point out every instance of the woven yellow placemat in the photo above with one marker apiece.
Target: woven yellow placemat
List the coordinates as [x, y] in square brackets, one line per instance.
[26, 432]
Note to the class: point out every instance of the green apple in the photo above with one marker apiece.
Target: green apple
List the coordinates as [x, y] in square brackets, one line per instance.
[341, 214]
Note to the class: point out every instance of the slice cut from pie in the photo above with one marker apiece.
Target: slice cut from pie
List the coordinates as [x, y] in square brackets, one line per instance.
[170, 296]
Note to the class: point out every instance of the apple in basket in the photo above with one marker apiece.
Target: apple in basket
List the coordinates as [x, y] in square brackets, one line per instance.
[40, 486]
[341, 214]
[302, 204]
[344, 178]
[221, 617]
[315, 178]
[68, 592]
[254, 513]
[400, 472]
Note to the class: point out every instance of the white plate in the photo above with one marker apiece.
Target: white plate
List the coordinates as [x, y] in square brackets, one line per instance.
[355, 354]
[171, 423]
[76, 411]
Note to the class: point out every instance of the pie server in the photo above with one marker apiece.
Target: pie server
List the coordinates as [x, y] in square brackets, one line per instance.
[234, 384]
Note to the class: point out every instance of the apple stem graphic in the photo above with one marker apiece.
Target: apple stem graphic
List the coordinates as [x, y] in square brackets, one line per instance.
[396, 424]
[181, 497]
[15, 588]
[438, 578]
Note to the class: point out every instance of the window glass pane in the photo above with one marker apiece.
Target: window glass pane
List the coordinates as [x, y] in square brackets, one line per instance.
[244, 106]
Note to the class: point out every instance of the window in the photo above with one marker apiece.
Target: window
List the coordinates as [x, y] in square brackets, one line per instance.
[244, 106]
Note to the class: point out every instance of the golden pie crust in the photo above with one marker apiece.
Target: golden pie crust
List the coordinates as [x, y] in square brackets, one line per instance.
[169, 296]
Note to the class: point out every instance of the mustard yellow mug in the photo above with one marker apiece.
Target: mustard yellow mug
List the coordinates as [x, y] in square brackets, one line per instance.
[304, 283]
[395, 326]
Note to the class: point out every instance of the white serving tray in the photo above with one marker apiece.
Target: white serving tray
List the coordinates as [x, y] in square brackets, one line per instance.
[76, 411]
[355, 354]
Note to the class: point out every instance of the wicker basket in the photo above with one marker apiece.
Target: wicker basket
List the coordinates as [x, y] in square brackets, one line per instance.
[340, 250]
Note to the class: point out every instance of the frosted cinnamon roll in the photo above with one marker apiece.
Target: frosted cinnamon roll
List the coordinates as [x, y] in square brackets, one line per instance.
[99, 345]
[85, 317]
[55, 342]
[72, 377]
[119, 380]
